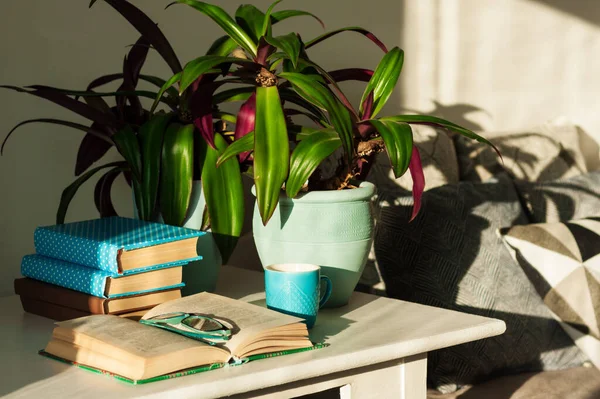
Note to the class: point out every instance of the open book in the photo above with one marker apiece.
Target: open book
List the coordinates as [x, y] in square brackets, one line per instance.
[140, 352]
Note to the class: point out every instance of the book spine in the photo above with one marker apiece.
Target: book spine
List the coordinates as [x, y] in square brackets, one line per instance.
[148, 291]
[50, 310]
[65, 274]
[39, 291]
[84, 251]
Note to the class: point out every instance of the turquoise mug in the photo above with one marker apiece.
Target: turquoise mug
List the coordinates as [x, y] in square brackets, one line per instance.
[294, 289]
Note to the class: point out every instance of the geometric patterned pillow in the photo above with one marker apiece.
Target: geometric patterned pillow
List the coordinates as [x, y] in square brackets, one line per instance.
[562, 260]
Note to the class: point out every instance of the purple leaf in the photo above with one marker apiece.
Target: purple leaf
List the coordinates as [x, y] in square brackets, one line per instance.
[128, 177]
[102, 80]
[65, 101]
[365, 130]
[97, 102]
[367, 106]
[102, 191]
[245, 122]
[201, 108]
[264, 51]
[136, 59]
[132, 66]
[90, 150]
[101, 134]
[416, 171]
[359, 74]
[147, 28]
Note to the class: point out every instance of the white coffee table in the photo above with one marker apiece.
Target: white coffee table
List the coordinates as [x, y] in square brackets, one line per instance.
[378, 350]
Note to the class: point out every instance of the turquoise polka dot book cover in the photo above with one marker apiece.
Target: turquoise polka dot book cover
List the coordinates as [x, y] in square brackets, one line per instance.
[118, 245]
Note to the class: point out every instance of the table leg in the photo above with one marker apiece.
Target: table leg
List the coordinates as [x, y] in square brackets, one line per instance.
[404, 380]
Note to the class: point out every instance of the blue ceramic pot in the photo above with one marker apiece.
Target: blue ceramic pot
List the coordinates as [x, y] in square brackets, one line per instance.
[200, 275]
[332, 229]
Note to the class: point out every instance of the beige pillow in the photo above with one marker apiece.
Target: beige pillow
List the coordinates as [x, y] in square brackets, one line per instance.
[546, 152]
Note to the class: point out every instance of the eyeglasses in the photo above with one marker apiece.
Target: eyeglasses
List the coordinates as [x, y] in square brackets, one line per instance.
[191, 325]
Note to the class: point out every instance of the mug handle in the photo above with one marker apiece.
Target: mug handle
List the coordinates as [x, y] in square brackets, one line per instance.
[327, 293]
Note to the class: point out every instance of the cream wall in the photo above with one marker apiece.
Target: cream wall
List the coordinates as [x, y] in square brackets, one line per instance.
[520, 62]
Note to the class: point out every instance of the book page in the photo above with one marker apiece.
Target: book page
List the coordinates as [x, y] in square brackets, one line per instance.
[99, 332]
[247, 320]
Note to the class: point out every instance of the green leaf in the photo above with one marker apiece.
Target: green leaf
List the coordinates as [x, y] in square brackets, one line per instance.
[322, 97]
[69, 192]
[290, 44]
[398, 141]
[235, 94]
[225, 21]
[243, 144]
[303, 132]
[293, 97]
[225, 116]
[279, 16]
[127, 143]
[293, 111]
[151, 141]
[177, 171]
[384, 79]
[251, 19]
[271, 150]
[314, 71]
[205, 220]
[307, 156]
[196, 68]
[266, 28]
[224, 194]
[172, 80]
[432, 120]
[222, 46]
[158, 82]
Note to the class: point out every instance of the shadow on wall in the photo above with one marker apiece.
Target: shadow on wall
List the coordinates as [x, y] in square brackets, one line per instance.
[585, 10]
[457, 113]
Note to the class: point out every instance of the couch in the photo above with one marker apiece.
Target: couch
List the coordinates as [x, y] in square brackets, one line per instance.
[452, 255]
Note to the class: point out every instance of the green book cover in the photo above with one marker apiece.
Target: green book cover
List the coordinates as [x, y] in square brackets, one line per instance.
[181, 373]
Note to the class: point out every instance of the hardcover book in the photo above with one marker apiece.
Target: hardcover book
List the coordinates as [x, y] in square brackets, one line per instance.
[35, 290]
[118, 245]
[139, 353]
[98, 282]
[61, 313]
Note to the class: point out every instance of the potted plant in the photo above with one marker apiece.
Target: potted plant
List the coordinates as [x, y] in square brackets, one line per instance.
[300, 214]
[164, 160]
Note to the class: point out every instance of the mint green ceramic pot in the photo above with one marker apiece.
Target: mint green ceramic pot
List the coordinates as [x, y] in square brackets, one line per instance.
[332, 229]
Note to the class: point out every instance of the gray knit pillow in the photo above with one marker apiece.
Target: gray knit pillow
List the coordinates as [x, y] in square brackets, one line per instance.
[451, 256]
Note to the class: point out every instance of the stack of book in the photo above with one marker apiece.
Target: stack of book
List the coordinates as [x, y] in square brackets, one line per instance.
[112, 265]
